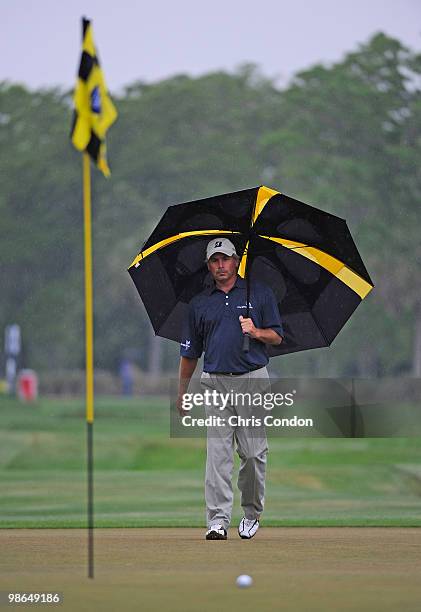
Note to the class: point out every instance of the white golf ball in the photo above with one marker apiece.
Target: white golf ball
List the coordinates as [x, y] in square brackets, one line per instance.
[244, 581]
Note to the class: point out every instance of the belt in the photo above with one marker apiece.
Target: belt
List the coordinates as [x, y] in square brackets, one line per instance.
[227, 373]
[234, 373]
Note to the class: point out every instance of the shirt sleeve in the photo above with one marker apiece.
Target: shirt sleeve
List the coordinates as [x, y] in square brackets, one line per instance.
[271, 316]
[191, 344]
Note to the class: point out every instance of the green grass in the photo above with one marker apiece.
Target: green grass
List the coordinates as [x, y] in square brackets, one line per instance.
[145, 478]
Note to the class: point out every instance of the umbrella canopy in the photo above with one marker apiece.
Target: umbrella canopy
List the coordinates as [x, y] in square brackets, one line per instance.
[305, 255]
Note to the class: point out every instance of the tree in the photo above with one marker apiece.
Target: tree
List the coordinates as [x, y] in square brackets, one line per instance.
[340, 145]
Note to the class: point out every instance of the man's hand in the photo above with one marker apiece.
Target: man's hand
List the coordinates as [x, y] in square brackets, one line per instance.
[268, 336]
[187, 367]
[180, 408]
[248, 327]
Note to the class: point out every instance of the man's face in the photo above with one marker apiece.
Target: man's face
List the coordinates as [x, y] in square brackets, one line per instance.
[222, 267]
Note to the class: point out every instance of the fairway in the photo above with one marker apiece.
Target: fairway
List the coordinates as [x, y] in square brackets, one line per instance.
[144, 478]
[177, 570]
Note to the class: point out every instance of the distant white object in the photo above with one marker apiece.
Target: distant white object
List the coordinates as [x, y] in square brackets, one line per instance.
[244, 581]
[12, 342]
[11, 374]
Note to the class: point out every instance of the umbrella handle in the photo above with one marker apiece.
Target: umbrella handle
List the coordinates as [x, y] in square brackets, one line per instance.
[246, 343]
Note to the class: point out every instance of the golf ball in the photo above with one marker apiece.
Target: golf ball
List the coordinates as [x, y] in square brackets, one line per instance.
[244, 581]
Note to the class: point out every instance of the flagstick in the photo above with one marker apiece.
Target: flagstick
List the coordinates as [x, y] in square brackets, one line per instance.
[89, 355]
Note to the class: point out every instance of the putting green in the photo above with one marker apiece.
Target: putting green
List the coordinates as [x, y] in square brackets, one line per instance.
[375, 569]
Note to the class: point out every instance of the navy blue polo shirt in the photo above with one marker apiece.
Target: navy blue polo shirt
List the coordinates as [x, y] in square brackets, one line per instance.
[213, 326]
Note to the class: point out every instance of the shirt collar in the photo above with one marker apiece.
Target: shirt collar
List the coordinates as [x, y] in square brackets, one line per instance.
[239, 283]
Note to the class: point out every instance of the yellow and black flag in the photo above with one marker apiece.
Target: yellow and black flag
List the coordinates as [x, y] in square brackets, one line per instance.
[94, 110]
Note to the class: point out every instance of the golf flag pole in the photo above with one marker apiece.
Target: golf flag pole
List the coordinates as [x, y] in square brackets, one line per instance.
[89, 336]
[89, 348]
[93, 114]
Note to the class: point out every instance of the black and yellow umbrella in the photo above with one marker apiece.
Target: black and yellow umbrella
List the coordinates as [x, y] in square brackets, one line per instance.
[305, 255]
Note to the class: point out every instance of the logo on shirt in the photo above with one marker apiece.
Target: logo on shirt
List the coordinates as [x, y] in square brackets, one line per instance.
[250, 306]
[186, 344]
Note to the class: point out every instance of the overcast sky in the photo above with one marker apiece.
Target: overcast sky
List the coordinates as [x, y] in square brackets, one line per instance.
[40, 40]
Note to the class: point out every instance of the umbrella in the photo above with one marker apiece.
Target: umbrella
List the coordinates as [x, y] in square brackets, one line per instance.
[307, 256]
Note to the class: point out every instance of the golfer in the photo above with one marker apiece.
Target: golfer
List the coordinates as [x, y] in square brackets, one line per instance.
[216, 326]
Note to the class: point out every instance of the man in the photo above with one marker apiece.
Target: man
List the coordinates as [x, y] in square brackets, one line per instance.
[216, 326]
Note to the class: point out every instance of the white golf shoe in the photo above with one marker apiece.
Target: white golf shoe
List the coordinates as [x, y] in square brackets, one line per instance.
[216, 532]
[248, 528]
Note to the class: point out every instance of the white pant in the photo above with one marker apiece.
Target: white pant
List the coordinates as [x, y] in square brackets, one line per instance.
[251, 447]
